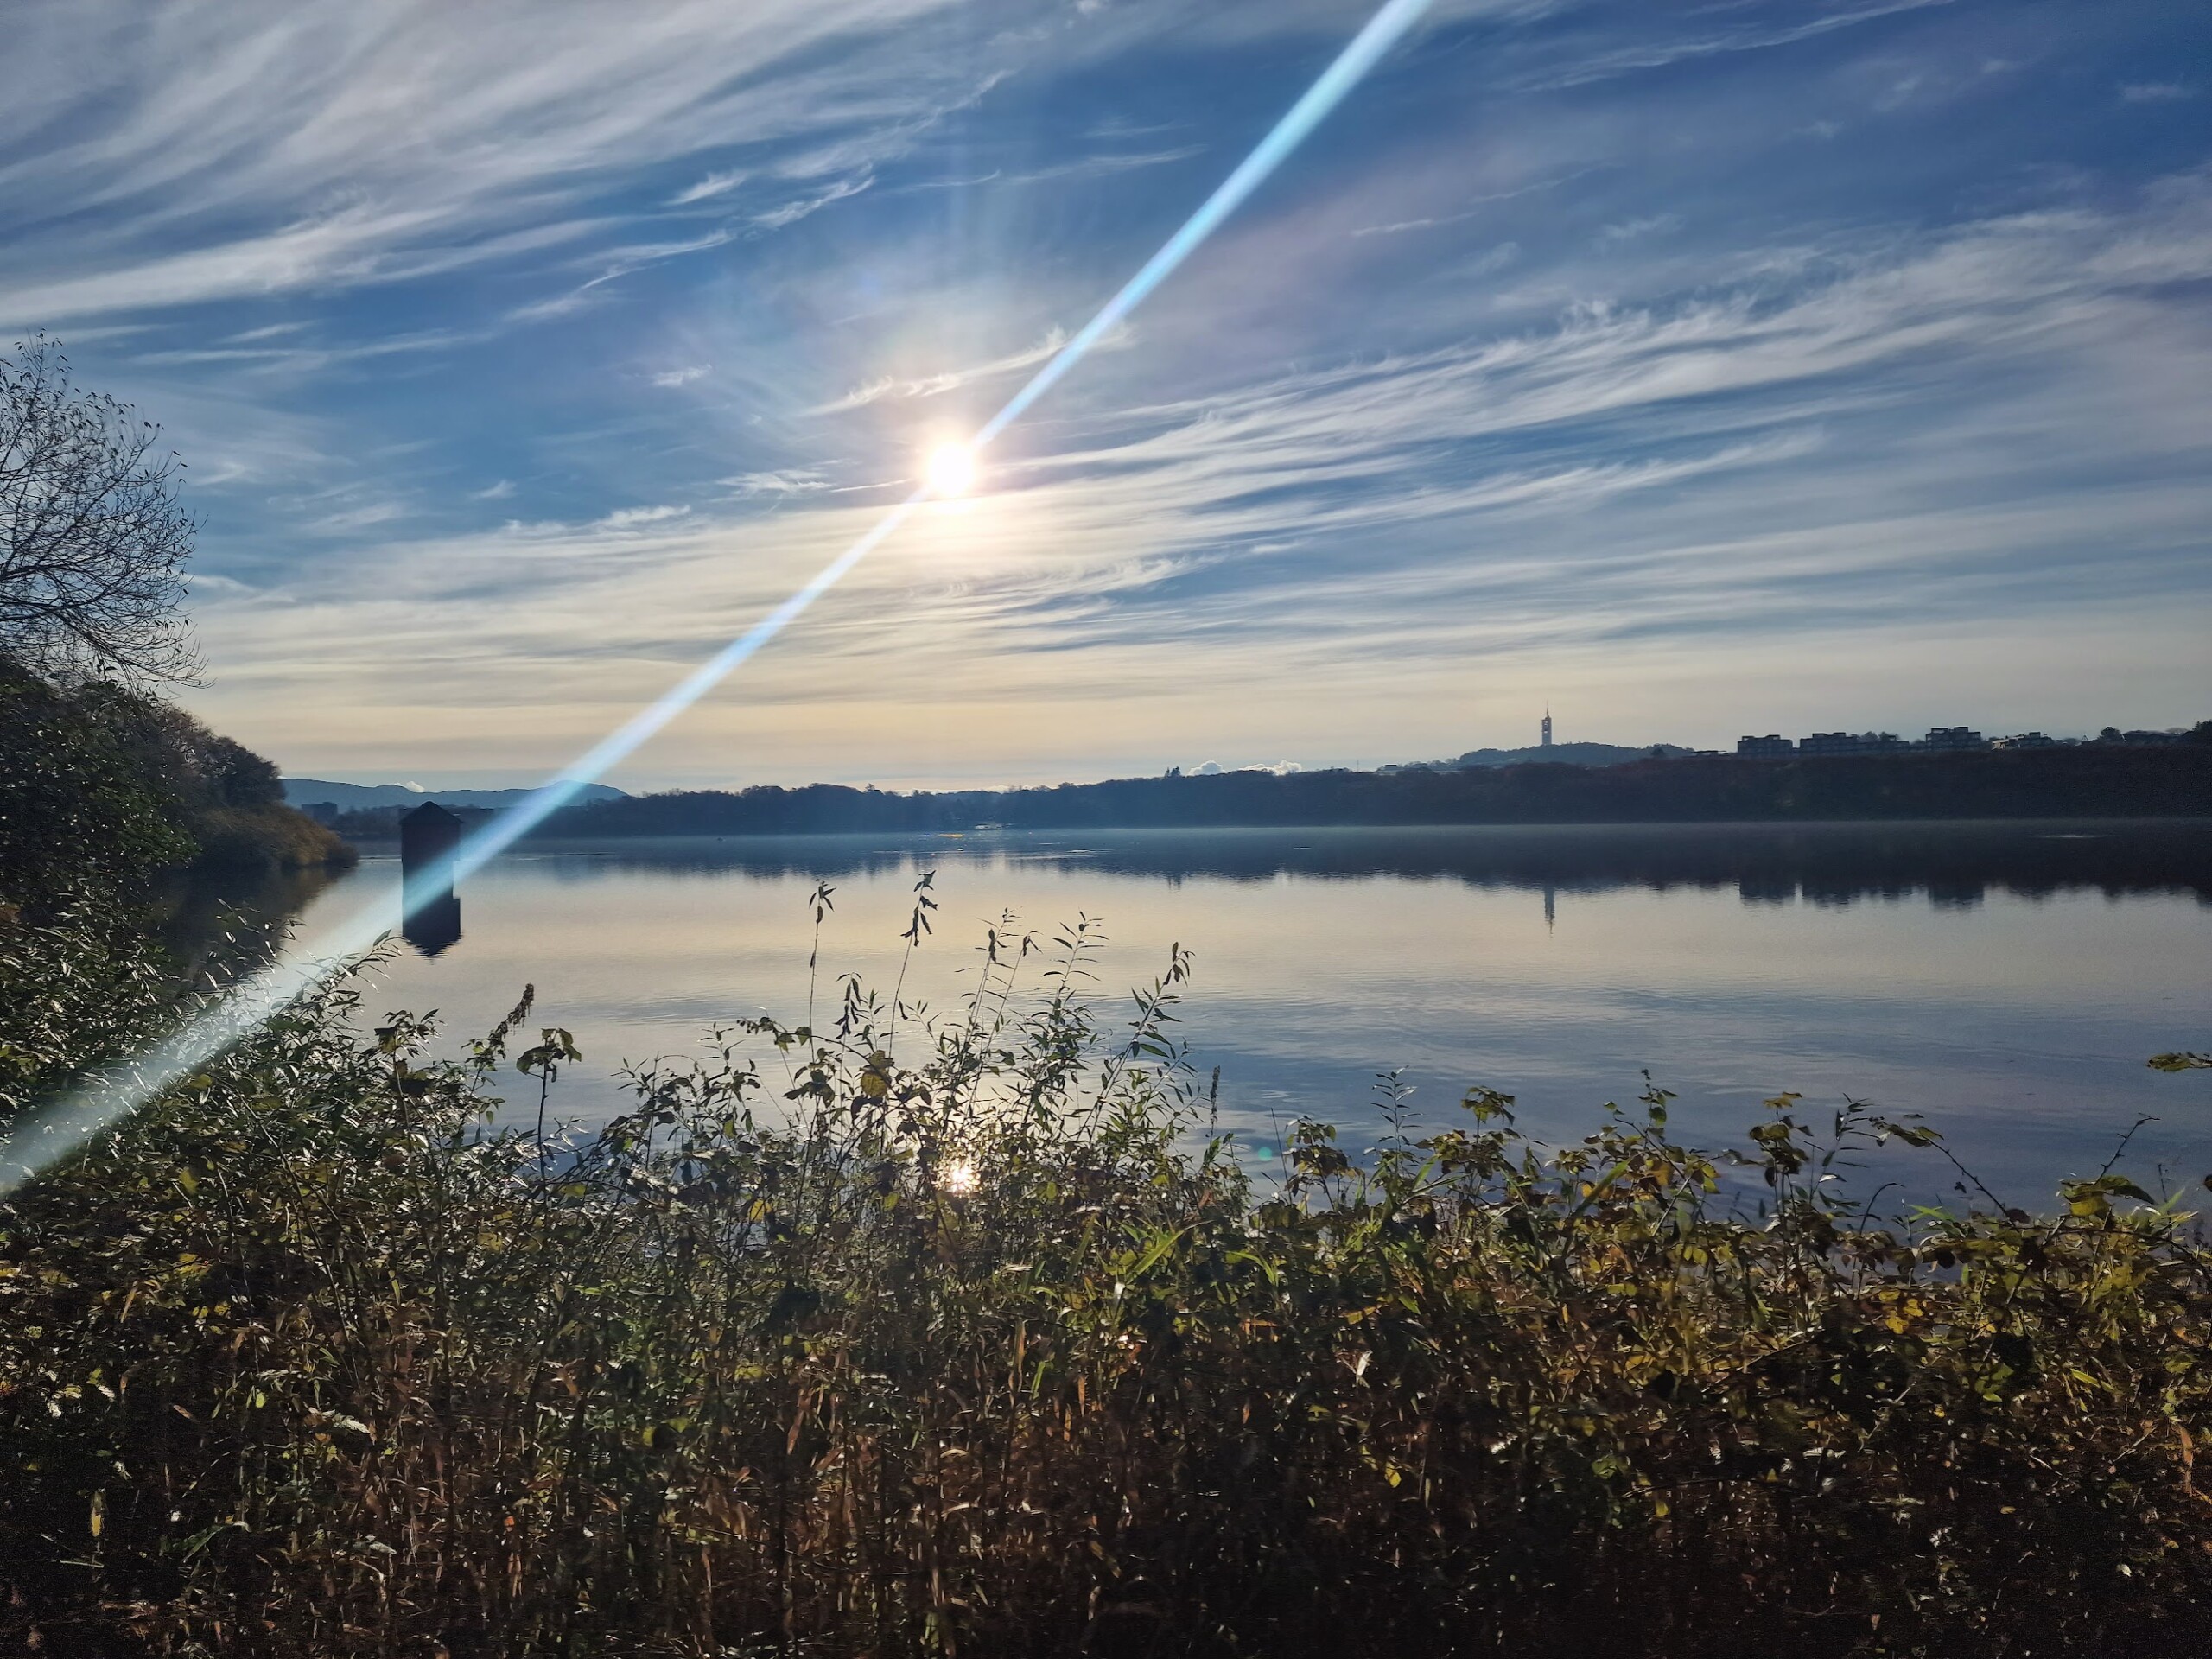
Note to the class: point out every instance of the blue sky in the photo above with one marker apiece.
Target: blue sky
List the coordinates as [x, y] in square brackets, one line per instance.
[1695, 368]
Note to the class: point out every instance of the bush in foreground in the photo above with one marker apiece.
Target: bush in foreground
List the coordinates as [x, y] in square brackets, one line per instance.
[884, 1338]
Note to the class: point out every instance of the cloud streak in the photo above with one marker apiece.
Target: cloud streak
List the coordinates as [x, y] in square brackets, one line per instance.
[890, 389]
[1663, 55]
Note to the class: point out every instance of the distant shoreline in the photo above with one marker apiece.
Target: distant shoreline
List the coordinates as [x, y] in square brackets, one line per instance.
[2117, 783]
[383, 846]
[2087, 783]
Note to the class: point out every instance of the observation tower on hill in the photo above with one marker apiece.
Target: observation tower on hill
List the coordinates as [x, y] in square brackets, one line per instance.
[1547, 742]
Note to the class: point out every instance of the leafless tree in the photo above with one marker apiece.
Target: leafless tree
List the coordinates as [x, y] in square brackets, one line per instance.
[93, 537]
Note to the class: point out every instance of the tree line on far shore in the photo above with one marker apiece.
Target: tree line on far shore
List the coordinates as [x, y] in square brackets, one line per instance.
[2088, 782]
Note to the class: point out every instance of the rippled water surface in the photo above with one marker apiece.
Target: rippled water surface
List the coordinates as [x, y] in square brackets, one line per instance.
[2006, 981]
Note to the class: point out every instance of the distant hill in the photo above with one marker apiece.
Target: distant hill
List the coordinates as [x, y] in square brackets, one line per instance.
[1570, 754]
[363, 798]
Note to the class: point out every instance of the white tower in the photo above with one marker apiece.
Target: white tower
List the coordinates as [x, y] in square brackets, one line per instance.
[1547, 727]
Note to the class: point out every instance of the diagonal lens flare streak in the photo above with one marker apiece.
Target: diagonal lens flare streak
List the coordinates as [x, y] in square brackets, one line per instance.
[44, 1137]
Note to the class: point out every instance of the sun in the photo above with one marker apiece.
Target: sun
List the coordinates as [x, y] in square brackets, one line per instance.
[951, 471]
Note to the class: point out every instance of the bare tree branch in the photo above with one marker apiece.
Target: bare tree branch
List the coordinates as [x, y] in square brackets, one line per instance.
[93, 537]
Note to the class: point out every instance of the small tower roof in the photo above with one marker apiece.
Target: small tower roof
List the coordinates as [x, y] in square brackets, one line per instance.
[429, 812]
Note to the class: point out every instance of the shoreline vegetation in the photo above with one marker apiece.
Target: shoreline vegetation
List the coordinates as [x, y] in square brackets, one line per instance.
[876, 1335]
[2090, 781]
[105, 784]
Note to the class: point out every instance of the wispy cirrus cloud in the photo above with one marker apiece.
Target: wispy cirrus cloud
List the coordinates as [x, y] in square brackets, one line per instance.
[628, 518]
[1759, 35]
[745, 486]
[705, 189]
[790, 213]
[1084, 167]
[892, 389]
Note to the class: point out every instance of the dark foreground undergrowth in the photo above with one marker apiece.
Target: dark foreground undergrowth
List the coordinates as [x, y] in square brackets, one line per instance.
[883, 1338]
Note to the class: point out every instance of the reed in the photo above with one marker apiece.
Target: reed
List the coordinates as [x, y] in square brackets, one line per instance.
[983, 1342]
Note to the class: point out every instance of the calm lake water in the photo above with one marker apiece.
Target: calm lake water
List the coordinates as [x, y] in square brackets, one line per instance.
[2006, 981]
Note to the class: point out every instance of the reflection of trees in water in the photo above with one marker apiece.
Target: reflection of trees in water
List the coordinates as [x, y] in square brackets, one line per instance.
[224, 923]
[1951, 865]
[220, 925]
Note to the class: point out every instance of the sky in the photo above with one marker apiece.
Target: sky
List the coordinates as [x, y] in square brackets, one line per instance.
[1691, 369]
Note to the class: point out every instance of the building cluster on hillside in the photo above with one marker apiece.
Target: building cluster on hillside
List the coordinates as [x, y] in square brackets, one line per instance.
[1939, 739]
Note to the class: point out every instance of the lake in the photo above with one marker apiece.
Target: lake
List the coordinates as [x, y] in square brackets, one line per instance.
[2007, 981]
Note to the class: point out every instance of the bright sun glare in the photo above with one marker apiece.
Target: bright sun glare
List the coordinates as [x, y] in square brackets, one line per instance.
[952, 470]
[958, 1177]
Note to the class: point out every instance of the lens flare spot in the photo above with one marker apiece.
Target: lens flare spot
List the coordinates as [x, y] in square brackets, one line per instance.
[951, 471]
[958, 1177]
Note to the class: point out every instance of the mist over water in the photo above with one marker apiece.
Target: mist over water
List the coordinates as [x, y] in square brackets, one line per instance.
[2008, 981]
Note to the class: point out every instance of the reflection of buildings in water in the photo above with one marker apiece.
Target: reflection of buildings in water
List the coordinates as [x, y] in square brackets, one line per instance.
[429, 840]
[434, 925]
[1551, 891]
